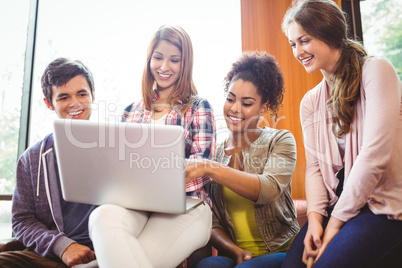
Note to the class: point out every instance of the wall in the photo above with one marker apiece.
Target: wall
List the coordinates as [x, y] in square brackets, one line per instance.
[261, 30]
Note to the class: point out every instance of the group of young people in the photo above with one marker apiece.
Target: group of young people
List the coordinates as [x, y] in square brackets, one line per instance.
[352, 126]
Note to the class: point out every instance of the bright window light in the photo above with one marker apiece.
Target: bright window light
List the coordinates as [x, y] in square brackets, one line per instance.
[111, 38]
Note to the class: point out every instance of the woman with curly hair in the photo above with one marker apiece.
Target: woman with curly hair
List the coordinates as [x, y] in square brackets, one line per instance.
[254, 215]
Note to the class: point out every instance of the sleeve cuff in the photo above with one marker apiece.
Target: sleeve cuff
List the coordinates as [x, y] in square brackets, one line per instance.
[61, 245]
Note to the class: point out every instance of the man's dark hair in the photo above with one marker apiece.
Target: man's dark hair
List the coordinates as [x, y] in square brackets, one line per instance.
[62, 70]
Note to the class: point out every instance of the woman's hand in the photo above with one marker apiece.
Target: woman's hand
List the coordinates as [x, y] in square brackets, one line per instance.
[242, 256]
[333, 228]
[196, 168]
[226, 247]
[312, 240]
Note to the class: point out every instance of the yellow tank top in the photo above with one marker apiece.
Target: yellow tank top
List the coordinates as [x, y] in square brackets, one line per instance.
[241, 211]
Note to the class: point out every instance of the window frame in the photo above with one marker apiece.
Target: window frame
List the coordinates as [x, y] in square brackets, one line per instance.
[26, 99]
[352, 9]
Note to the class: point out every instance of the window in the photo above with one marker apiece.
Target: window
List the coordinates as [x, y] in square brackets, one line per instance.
[382, 29]
[13, 26]
[111, 38]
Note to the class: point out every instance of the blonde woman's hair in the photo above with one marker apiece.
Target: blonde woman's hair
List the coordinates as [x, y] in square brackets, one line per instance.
[184, 89]
[324, 20]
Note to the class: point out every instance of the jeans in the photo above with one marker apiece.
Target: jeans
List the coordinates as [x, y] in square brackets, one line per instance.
[367, 240]
[273, 260]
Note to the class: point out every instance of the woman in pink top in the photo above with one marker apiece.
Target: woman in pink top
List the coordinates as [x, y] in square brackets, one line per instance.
[352, 127]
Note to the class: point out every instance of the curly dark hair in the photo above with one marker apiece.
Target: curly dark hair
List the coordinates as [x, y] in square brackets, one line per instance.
[262, 70]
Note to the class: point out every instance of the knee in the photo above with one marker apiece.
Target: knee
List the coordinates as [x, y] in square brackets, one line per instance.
[207, 218]
[105, 215]
[204, 223]
[119, 219]
[204, 215]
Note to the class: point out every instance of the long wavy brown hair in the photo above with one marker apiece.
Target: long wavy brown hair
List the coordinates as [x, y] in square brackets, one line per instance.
[184, 89]
[324, 20]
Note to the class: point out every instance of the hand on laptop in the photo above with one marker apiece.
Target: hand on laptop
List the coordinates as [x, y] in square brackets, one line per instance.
[77, 254]
[196, 168]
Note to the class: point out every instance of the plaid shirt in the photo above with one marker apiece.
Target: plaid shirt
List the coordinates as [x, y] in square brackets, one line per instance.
[199, 134]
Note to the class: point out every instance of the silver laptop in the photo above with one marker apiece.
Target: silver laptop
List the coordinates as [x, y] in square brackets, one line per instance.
[137, 166]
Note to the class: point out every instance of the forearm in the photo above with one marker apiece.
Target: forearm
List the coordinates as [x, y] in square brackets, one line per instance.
[315, 218]
[34, 231]
[240, 182]
[29, 229]
[34, 234]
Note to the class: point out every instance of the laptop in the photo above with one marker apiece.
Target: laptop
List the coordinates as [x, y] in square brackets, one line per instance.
[136, 166]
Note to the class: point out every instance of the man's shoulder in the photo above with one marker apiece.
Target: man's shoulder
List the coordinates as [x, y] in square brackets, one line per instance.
[43, 145]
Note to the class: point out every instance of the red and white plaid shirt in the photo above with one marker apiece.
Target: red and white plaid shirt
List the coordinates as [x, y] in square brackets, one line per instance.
[199, 134]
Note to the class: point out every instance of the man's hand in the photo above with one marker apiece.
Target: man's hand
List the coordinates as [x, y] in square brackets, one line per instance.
[77, 254]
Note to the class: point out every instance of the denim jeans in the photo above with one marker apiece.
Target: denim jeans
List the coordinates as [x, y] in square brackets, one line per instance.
[273, 260]
[367, 240]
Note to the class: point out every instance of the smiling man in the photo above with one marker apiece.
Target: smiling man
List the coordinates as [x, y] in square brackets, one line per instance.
[54, 231]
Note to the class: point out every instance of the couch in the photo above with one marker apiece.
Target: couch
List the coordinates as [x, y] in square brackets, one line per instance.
[301, 210]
